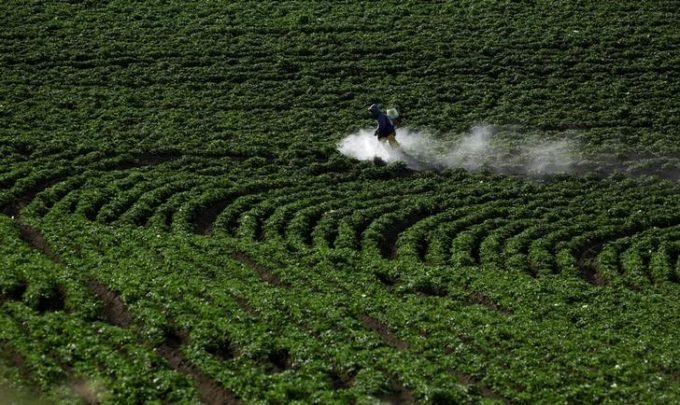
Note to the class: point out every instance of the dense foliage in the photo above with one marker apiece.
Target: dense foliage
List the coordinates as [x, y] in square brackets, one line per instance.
[178, 226]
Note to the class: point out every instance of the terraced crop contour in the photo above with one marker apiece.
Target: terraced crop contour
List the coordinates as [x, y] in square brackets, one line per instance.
[178, 226]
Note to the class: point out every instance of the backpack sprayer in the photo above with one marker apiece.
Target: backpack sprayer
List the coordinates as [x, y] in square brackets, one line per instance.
[393, 115]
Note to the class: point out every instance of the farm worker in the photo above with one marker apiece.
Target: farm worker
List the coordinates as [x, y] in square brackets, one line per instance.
[385, 131]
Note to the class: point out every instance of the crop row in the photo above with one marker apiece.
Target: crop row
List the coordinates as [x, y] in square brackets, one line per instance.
[413, 246]
[260, 299]
[543, 229]
[177, 225]
[609, 77]
[239, 346]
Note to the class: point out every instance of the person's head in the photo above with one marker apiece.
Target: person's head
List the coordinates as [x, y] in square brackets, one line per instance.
[374, 109]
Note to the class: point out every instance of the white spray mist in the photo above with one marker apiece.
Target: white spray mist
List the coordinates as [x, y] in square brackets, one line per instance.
[473, 151]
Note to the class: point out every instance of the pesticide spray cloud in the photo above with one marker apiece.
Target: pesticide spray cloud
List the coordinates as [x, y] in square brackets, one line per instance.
[473, 151]
[504, 151]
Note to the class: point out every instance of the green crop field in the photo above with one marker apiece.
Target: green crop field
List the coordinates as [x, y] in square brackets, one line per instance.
[178, 223]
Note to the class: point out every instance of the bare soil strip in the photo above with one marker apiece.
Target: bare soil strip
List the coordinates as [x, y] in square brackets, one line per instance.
[34, 238]
[262, 271]
[388, 244]
[587, 264]
[210, 391]
[114, 310]
[203, 225]
[14, 208]
[205, 219]
[116, 313]
[382, 330]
